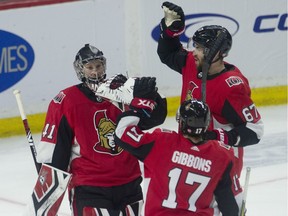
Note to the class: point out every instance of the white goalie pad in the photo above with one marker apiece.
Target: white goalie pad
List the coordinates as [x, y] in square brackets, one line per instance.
[122, 94]
[48, 192]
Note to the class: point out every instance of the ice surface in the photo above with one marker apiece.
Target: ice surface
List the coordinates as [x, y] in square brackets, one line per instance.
[267, 194]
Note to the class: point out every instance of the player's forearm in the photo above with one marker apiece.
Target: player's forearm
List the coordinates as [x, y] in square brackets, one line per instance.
[242, 136]
[125, 129]
[244, 133]
[170, 53]
[127, 137]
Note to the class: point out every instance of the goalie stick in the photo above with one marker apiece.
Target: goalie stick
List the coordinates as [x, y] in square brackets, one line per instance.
[243, 205]
[208, 60]
[27, 129]
[51, 183]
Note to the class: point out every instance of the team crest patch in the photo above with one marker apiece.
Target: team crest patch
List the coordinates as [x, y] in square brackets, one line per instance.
[105, 128]
[191, 89]
[233, 81]
[59, 98]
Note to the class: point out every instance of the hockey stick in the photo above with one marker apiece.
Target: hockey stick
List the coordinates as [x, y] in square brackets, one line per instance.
[27, 129]
[51, 183]
[208, 60]
[243, 205]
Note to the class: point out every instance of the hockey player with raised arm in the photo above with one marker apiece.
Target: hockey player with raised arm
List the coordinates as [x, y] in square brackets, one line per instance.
[235, 119]
[78, 138]
[187, 172]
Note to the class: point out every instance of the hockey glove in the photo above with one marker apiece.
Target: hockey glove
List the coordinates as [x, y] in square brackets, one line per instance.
[117, 81]
[228, 137]
[143, 106]
[217, 134]
[117, 88]
[173, 23]
[158, 115]
[145, 87]
[144, 94]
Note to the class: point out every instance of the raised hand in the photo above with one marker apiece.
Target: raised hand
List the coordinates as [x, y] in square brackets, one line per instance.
[173, 23]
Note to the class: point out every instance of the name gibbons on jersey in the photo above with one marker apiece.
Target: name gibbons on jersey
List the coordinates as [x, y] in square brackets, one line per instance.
[190, 160]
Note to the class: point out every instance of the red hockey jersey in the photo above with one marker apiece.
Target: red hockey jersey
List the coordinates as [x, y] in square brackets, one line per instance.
[78, 137]
[232, 88]
[227, 93]
[185, 178]
[229, 98]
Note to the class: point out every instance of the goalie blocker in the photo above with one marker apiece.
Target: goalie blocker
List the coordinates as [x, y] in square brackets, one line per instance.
[48, 192]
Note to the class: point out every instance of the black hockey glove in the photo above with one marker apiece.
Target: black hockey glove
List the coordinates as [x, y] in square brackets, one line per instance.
[144, 94]
[228, 137]
[145, 87]
[173, 23]
[143, 106]
[158, 115]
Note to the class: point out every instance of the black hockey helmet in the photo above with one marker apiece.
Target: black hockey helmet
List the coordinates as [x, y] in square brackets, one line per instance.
[207, 35]
[84, 55]
[193, 117]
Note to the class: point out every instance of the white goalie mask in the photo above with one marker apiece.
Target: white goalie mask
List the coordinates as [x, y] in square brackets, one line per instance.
[90, 66]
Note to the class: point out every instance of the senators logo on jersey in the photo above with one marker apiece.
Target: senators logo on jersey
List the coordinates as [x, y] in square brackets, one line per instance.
[105, 129]
[192, 87]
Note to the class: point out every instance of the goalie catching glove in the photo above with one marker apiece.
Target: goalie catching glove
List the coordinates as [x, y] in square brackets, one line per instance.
[173, 23]
[139, 93]
[117, 88]
[116, 81]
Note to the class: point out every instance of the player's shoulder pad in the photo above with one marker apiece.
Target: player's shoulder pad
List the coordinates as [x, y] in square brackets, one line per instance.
[59, 98]
[234, 80]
